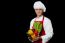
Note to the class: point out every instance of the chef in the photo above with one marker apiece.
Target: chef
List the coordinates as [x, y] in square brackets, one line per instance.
[45, 30]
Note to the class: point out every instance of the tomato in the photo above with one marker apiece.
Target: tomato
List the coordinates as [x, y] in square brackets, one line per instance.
[36, 32]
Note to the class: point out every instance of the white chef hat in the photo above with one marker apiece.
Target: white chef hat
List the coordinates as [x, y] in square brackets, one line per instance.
[39, 4]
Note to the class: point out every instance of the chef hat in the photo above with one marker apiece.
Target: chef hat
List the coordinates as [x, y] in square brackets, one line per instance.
[39, 4]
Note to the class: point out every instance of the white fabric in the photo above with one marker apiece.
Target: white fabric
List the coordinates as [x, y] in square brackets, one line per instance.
[39, 5]
[47, 27]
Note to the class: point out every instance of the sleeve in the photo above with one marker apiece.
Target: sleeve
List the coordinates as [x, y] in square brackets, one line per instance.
[48, 30]
[31, 23]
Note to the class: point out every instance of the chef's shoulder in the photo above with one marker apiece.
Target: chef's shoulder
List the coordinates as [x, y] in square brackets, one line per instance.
[32, 20]
[47, 19]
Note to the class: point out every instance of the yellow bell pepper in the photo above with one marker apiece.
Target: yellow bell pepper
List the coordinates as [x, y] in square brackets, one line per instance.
[33, 37]
[30, 32]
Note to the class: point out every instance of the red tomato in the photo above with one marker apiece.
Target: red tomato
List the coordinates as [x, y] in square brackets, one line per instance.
[36, 32]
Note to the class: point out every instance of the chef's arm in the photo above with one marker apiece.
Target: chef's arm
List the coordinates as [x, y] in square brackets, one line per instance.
[48, 30]
[31, 23]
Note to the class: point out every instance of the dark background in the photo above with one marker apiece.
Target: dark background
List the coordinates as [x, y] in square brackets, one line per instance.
[25, 12]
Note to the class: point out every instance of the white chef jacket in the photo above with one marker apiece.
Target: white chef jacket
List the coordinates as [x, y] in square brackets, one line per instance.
[47, 27]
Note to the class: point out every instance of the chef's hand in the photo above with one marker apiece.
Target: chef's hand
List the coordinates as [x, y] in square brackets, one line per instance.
[30, 39]
[37, 38]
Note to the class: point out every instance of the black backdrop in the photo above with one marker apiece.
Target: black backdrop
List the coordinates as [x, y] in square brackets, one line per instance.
[25, 12]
